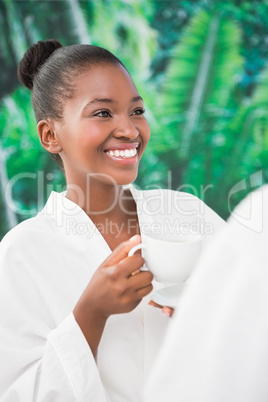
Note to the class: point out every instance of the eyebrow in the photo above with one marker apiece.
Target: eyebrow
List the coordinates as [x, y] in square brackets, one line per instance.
[108, 100]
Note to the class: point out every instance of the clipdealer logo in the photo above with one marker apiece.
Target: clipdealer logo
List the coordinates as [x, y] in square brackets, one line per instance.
[165, 228]
[250, 213]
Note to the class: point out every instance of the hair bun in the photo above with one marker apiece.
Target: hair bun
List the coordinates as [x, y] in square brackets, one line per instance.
[33, 58]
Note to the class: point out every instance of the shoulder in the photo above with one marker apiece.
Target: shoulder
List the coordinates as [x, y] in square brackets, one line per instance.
[28, 229]
[26, 239]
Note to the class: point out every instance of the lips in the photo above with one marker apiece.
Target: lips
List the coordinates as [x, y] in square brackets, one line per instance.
[122, 153]
[125, 151]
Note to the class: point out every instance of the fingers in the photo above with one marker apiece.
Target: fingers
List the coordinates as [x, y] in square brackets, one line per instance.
[118, 269]
[169, 311]
[142, 283]
[144, 291]
[122, 251]
[125, 268]
[141, 279]
[152, 303]
[131, 265]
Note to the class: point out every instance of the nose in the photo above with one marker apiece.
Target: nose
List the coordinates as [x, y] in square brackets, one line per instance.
[126, 129]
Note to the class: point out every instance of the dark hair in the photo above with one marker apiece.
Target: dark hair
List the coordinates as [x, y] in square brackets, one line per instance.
[48, 69]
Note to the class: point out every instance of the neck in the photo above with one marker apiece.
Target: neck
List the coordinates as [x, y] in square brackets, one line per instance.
[96, 198]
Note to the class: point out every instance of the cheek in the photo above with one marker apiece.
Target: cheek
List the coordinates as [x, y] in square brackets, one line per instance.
[89, 137]
[146, 132]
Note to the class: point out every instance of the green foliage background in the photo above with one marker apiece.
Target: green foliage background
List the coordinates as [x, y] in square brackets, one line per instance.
[201, 67]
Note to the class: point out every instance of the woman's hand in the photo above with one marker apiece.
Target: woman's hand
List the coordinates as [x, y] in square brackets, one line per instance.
[113, 288]
[116, 287]
[165, 309]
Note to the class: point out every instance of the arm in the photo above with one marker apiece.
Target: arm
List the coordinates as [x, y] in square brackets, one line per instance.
[113, 289]
[41, 360]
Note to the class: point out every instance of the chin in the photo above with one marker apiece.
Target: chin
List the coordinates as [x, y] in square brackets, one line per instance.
[124, 180]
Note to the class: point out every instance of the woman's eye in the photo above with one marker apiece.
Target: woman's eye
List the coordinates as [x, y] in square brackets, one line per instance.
[103, 113]
[139, 111]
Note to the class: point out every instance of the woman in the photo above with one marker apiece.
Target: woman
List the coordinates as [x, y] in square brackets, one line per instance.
[73, 327]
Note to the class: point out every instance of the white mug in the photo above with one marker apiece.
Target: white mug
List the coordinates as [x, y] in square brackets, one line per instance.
[170, 261]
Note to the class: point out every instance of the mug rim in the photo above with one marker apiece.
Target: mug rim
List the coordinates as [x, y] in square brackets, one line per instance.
[192, 238]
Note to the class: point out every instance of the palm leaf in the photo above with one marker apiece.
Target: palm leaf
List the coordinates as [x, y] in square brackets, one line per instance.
[200, 77]
[79, 21]
[244, 150]
[115, 28]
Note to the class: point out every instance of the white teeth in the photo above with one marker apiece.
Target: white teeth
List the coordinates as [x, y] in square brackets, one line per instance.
[123, 153]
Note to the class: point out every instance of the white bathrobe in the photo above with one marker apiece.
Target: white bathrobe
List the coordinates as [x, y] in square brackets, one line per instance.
[216, 347]
[45, 264]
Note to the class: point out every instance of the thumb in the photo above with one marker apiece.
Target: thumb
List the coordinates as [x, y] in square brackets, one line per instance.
[122, 251]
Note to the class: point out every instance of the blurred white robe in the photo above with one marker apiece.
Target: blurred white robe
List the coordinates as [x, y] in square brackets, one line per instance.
[45, 264]
[216, 347]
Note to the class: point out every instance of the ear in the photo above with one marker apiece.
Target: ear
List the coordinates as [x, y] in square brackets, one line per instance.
[48, 137]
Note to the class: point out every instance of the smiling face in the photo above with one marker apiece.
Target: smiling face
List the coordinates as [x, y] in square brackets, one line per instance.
[104, 130]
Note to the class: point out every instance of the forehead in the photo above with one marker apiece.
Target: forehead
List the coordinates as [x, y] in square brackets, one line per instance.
[105, 80]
